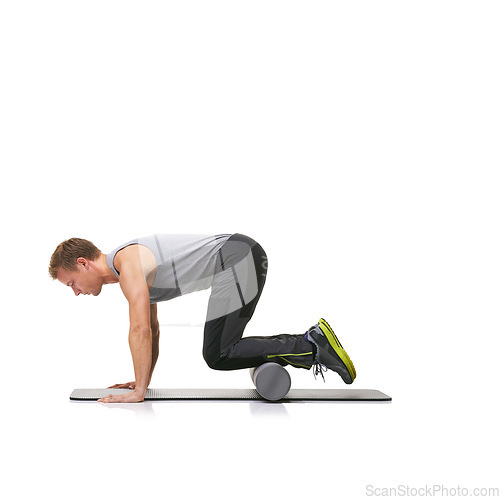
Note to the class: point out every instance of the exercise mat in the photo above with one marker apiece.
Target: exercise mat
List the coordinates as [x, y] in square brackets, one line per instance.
[237, 394]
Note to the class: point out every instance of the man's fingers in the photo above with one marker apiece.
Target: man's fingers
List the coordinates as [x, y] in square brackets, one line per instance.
[128, 385]
[109, 399]
[122, 398]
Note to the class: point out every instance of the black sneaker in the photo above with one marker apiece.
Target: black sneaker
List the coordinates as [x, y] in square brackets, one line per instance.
[330, 353]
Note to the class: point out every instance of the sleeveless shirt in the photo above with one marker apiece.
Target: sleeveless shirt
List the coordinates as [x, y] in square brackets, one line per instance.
[185, 263]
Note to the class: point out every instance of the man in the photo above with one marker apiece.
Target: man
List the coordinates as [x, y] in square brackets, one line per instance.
[161, 267]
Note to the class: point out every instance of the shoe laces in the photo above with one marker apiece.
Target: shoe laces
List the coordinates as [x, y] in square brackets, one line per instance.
[319, 368]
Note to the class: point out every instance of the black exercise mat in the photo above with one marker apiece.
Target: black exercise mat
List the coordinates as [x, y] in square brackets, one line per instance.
[237, 394]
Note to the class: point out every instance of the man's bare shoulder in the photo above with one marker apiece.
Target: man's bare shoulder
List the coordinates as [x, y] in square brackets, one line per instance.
[139, 255]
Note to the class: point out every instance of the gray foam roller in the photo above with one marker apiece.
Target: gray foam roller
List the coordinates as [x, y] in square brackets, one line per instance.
[271, 380]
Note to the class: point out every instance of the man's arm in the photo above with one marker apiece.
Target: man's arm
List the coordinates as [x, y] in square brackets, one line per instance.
[135, 289]
[155, 331]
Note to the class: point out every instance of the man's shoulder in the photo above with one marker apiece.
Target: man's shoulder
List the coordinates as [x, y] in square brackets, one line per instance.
[135, 253]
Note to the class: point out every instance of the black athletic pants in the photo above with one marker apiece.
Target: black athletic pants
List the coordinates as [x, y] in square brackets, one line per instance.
[238, 282]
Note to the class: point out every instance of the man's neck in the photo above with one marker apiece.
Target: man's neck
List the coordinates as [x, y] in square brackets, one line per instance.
[106, 274]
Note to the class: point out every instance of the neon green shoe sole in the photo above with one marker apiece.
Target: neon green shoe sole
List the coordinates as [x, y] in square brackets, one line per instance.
[337, 346]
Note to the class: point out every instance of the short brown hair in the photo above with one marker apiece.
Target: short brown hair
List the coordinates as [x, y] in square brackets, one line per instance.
[67, 252]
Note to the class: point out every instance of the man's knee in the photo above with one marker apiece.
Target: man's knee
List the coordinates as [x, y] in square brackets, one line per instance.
[214, 361]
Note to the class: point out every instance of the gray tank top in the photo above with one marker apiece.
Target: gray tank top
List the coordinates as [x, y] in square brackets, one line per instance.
[185, 263]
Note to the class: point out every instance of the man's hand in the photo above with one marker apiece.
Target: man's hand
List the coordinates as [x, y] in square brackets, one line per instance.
[127, 385]
[131, 397]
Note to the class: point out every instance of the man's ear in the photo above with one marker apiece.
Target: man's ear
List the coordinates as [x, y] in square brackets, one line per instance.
[83, 261]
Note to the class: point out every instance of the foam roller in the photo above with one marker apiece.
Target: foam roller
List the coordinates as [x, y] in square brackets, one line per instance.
[271, 380]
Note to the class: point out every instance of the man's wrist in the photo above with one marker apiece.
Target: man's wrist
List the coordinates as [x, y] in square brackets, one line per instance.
[140, 391]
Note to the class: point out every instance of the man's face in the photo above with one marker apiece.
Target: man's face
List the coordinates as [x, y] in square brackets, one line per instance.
[82, 281]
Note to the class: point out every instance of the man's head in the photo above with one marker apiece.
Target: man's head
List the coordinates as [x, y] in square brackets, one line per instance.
[75, 263]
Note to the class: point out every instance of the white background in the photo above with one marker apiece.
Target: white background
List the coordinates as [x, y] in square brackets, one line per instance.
[356, 141]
